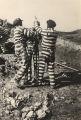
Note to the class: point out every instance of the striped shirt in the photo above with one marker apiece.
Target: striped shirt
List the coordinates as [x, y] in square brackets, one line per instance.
[21, 35]
[47, 55]
[4, 33]
[48, 37]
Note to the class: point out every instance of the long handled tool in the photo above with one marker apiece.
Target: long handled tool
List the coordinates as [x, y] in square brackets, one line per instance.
[67, 67]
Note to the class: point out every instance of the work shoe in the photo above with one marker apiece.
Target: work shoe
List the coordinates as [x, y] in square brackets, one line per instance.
[34, 82]
[28, 83]
[41, 83]
[22, 84]
[53, 86]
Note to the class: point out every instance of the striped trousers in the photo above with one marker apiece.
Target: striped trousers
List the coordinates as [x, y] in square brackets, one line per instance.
[23, 60]
[33, 55]
[47, 56]
[22, 64]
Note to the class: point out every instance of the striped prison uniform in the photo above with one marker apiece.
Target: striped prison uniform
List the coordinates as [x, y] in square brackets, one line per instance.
[20, 36]
[4, 35]
[33, 56]
[30, 53]
[47, 55]
[36, 57]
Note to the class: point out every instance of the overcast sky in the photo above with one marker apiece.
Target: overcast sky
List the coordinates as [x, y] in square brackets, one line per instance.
[66, 13]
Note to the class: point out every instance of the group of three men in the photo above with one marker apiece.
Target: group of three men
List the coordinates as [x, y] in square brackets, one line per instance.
[49, 36]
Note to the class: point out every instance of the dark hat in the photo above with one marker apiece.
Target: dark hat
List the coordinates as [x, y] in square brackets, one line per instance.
[51, 23]
[17, 22]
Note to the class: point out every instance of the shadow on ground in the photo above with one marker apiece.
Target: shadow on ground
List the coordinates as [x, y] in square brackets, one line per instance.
[66, 78]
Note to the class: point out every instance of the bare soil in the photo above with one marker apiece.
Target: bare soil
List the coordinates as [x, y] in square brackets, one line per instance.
[64, 101]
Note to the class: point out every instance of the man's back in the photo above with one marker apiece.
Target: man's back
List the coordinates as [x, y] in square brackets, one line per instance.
[49, 38]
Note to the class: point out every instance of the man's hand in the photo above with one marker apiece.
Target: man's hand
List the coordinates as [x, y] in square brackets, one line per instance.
[36, 22]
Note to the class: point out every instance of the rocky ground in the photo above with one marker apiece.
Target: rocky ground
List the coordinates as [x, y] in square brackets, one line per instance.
[43, 102]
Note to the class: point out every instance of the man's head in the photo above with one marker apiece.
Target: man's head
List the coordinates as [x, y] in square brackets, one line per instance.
[51, 23]
[17, 22]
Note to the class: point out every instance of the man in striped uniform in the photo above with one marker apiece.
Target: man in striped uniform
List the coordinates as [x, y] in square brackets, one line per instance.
[48, 44]
[4, 35]
[21, 35]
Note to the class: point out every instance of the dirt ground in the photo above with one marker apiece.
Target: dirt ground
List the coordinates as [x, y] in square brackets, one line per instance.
[64, 101]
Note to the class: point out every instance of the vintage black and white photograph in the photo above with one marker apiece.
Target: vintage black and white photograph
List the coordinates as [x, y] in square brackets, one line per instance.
[40, 59]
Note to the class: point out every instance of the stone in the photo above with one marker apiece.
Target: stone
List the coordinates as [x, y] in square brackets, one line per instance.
[12, 94]
[25, 109]
[12, 102]
[8, 101]
[17, 113]
[79, 98]
[6, 95]
[30, 114]
[45, 108]
[19, 97]
[41, 114]
[62, 98]
[9, 107]
[26, 95]
[17, 102]
[68, 101]
[45, 103]
[7, 111]
[31, 108]
[37, 106]
[24, 115]
[25, 119]
[56, 98]
[17, 118]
